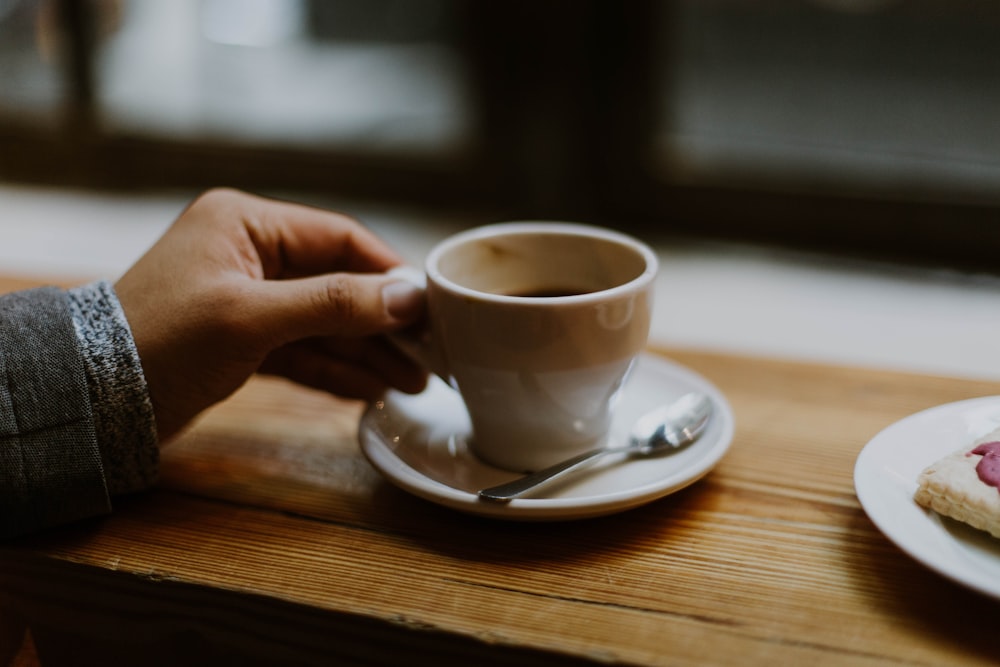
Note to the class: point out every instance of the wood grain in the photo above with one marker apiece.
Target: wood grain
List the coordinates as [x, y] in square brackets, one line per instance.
[270, 537]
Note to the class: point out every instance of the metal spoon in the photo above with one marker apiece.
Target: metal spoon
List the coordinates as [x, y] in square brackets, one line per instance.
[665, 428]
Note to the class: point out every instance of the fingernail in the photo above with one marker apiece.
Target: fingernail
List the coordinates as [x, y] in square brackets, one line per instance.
[403, 300]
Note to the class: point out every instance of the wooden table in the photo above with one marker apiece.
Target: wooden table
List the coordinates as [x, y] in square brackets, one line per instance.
[271, 540]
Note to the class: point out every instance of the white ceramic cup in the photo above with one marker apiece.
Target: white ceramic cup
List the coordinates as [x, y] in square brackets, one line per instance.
[536, 325]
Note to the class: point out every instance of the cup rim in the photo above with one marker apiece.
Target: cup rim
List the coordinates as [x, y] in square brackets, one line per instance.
[550, 227]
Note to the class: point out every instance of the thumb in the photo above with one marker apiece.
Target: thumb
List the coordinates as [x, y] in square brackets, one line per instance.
[342, 304]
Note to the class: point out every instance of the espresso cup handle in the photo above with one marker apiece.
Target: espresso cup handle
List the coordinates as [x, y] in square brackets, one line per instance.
[416, 343]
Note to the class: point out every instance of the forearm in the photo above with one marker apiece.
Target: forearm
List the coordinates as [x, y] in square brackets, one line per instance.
[76, 426]
[50, 466]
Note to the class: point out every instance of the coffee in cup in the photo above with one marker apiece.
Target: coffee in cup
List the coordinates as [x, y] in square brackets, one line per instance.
[536, 325]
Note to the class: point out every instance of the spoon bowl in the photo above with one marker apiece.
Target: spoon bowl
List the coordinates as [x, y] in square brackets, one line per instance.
[664, 429]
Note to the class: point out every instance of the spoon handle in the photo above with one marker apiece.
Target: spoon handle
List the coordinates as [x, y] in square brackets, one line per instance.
[503, 493]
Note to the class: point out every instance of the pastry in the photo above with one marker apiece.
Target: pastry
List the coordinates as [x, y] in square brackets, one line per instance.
[965, 485]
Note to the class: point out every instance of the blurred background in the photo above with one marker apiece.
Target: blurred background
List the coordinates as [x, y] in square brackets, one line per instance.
[857, 126]
[821, 178]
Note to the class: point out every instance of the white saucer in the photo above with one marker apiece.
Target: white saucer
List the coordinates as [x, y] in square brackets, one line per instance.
[885, 479]
[419, 444]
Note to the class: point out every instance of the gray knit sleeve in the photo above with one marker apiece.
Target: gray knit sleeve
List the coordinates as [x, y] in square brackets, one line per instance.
[50, 464]
[119, 398]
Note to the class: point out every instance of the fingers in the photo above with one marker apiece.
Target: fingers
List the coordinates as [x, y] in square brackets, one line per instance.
[240, 284]
[314, 241]
[352, 368]
[335, 305]
[293, 240]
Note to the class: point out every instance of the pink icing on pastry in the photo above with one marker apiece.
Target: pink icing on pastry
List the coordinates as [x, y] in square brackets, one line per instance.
[988, 467]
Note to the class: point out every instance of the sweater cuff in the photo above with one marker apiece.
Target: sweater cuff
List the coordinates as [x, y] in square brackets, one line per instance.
[122, 410]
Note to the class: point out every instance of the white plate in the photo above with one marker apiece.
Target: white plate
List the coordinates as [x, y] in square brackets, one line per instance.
[885, 479]
[419, 444]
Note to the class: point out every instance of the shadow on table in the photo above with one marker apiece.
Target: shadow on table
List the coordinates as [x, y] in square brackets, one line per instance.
[911, 593]
[493, 540]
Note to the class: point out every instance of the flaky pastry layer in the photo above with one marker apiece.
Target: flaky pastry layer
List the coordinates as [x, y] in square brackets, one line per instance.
[951, 487]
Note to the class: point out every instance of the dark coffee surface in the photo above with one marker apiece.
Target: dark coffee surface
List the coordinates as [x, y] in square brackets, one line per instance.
[550, 291]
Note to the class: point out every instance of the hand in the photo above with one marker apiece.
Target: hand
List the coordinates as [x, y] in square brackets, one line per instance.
[241, 284]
